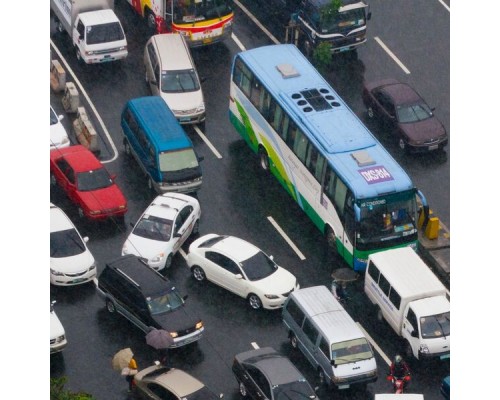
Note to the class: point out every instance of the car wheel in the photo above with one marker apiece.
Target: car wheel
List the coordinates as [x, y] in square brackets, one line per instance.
[126, 146]
[294, 341]
[168, 261]
[110, 306]
[402, 144]
[264, 159]
[254, 301]
[196, 228]
[198, 273]
[370, 112]
[243, 390]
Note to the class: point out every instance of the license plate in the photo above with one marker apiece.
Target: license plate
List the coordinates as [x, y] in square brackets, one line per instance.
[184, 119]
[433, 147]
[78, 280]
[344, 49]
[207, 40]
[343, 386]
[106, 59]
[444, 357]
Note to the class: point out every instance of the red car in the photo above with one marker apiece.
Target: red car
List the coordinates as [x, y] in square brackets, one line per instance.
[404, 111]
[87, 183]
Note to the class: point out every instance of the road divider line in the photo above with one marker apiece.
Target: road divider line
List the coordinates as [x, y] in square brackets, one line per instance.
[210, 145]
[255, 345]
[445, 5]
[256, 21]
[238, 42]
[285, 236]
[392, 55]
[379, 350]
[99, 119]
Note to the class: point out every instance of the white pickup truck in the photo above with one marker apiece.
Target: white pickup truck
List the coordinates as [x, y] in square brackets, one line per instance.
[96, 31]
[412, 300]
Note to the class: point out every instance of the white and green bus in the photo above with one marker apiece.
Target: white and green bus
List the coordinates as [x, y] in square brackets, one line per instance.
[322, 154]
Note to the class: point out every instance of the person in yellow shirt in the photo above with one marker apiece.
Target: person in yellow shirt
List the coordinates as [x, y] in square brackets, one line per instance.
[132, 365]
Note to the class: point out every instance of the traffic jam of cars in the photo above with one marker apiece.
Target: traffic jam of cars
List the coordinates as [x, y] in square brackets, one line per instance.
[135, 285]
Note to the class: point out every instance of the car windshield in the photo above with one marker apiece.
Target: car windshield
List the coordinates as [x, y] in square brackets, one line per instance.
[351, 351]
[164, 303]
[259, 266]
[178, 160]
[154, 228]
[104, 33]
[413, 113]
[93, 180]
[53, 117]
[434, 326]
[299, 390]
[66, 243]
[179, 81]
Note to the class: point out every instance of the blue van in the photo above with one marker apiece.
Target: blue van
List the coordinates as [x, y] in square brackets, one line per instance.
[152, 134]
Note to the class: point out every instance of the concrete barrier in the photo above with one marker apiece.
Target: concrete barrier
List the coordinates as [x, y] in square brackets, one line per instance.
[57, 77]
[71, 98]
[85, 131]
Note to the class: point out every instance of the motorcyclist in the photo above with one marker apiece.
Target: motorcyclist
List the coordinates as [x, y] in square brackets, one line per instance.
[399, 368]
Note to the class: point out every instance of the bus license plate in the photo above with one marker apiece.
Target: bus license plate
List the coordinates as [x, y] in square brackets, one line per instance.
[433, 147]
[207, 40]
[444, 357]
[344, 49]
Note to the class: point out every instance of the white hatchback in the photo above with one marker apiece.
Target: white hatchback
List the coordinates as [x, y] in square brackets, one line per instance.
[71, 262]
[58, 135]
[162, 229]
[241, 268]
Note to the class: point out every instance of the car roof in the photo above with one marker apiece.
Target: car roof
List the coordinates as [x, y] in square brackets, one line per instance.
[277, 368]
[167, 205]
[179, 382]
[150, 281]
[401, 93]
[239, 249]
[79, 157]
[169, 44]
[59, 221]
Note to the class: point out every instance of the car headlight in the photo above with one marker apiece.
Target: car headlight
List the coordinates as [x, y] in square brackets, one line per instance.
[271, 296]
[92, 267]
[200, 108]
[122, 207]
[94, 212]
[424, 349]
[54, 272]
[174, 334]
[199, 325]
[60, 338]
[158, 257]
[124, 250]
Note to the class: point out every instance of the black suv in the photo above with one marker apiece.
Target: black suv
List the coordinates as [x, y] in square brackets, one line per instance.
[148, 299]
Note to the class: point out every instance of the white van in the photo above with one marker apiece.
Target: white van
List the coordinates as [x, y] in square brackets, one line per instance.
[171, 74]
[318, 325]
[412, 300]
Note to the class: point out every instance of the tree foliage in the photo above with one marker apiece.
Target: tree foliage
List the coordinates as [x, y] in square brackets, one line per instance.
[57, 391]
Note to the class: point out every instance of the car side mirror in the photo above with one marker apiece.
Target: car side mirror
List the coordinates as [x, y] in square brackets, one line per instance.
[238, 276]
[221, 396]
[86, 239]
[414, 333]
[60, 117]
[113, 177]
[177, 235]
[333, 363]
[203, 79]
[201, 158]
[185, 297]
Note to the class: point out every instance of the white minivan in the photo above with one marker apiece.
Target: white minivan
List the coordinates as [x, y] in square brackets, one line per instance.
[171, 74]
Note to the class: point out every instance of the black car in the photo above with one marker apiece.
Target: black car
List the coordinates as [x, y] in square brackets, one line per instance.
[148, 299]
[266, 374]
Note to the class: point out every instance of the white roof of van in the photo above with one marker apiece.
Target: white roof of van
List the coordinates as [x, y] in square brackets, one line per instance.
[320, 304]
[171, 46]
[98, 17]
[406, 271]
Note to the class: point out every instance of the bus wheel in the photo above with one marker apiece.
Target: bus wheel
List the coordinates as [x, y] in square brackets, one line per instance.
[264, 159]
[150, 17]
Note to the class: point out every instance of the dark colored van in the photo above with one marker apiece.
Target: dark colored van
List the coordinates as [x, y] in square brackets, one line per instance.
[153, 135]
[148, 299]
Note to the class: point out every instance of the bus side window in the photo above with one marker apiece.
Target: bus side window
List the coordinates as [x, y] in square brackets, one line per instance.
[349, 222]
[277, 117]
[283, 132]
[340, 195]
[292, 133]
[329, 184]
[256, 90]
[315, 162]
[264, 103]
[300, 146]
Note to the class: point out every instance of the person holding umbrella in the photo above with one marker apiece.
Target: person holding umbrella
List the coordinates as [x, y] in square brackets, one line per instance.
[124, 362]
[132, 370]
[160, 340]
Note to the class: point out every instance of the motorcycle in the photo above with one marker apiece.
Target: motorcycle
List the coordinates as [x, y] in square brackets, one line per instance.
[399, 383]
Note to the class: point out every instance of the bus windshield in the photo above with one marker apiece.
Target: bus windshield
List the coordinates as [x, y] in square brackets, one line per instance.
[386, 218]
[339, 22]
[189, 11]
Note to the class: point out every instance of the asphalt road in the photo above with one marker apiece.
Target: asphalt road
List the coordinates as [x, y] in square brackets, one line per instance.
[237, 198]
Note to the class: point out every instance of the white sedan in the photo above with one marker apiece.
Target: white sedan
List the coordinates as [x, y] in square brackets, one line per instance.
[162, 229]
[241, 268]
[71, 262]
[58, 135]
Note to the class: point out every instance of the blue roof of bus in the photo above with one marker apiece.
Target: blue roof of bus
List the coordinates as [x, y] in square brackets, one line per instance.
[337, 130]
[165, 130]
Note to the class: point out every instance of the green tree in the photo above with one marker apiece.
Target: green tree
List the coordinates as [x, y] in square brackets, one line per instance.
[57, 391]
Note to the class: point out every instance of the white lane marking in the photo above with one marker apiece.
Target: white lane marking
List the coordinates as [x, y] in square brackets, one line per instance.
[282, 233]
[255, 345]
[256, 21]
[391, 54]
[444, 5]
[90, 103]
[240, 45]
[379, 350]
[214, 150]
